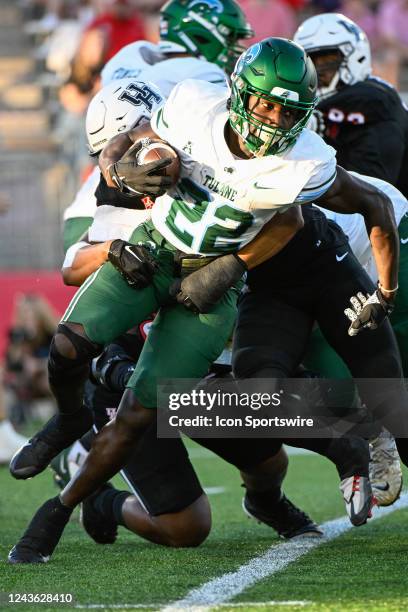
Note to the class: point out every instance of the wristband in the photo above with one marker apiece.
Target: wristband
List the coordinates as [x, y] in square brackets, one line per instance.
[241, 261]
[381, 288]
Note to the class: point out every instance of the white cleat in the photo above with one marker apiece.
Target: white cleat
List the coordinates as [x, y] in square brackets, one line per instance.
[358, 497]
[385, 469]
[10, 441]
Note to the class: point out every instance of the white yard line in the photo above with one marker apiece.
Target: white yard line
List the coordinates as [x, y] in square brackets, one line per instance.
[216, 592]
[293, 450]
[276, 558]
[214, 490]
[203, 453]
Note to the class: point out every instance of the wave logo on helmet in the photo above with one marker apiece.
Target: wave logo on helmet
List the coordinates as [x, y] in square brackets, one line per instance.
[213, 5]
[248, 57]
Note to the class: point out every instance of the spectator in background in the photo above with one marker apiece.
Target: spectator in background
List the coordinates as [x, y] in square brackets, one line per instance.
[10, 440]
[363, 13]
[26, 376]
[269, 18]
[117, 26]
[150, 9]
[61, 45]
[326, 6]
[298, 5]
[393, 33]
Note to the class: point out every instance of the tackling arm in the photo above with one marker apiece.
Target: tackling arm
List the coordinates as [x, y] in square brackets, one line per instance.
[349, 194]
[133, 262]
[82, 263]
[273, 237]
[202, 289]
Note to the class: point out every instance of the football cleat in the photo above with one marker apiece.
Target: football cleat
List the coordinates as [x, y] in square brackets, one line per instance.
[60, 432]
[284, 517]
[100, 529]
[385, 469]
[42, 535]
[23, 552]
[358, 497]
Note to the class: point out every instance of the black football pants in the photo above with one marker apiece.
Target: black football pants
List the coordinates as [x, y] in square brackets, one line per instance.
[275, 319]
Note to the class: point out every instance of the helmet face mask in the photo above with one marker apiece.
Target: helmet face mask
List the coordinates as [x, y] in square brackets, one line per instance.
[208, 29]
[327, 63]
[272, 72]
[333, 31]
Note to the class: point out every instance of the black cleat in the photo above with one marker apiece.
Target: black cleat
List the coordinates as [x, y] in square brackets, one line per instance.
[287, 520]
[42, 535]
[60, 432]
[20, 553]
[100, 529]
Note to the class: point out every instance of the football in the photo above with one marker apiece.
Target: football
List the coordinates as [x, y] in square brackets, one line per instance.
[155, 150]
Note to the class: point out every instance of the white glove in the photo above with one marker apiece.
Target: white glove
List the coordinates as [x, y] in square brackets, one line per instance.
[367, 312]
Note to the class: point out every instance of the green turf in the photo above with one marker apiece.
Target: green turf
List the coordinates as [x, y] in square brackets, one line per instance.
[369, 563]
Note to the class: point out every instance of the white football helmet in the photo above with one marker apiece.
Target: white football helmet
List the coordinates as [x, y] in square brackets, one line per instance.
[118, 107]
[333, 31]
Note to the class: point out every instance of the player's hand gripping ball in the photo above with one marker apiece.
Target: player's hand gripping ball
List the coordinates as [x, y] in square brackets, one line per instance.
[149, 167]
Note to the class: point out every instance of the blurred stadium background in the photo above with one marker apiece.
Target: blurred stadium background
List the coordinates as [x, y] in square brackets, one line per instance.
[51, 54]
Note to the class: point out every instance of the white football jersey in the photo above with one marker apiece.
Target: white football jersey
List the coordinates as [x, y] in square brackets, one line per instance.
[84, 204]
[147, 62]
[111, 222]
[222, 202]
[354, 226]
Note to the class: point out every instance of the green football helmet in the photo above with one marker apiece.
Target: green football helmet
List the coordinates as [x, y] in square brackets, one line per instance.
[276, 70]
[208, 29]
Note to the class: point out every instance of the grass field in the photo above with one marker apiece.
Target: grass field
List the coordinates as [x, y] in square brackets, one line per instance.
[362, 569]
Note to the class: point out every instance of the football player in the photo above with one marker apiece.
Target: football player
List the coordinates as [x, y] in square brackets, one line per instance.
[364, 119]
[118, 107]
[168, 505]
[198, 40]
[250, 161]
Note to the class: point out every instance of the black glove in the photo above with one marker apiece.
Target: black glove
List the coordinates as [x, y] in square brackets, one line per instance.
[144, 179]
[134, 262]
[202, 289]
[367, 312]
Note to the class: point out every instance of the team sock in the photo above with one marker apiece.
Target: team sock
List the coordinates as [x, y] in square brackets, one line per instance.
[265, 499]
[109, 503]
